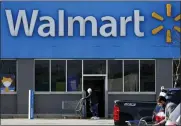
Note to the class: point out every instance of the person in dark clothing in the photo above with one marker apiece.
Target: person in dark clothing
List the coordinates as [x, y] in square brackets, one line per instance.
[93, 102]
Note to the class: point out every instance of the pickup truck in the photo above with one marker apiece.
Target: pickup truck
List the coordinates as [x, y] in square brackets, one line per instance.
[130, 110]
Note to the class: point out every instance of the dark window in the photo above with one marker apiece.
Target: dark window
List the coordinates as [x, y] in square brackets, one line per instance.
[147, 75]
[131, 75]
[74, 75]
[177, 72]
[115, 75]
[94, 66]
[58, 79]
[8, 75]
[42, 75]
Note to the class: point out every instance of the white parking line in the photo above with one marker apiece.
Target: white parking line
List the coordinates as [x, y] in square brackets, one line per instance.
[55, 122]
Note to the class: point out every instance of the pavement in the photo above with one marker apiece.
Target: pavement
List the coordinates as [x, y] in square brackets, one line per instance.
[79, 122]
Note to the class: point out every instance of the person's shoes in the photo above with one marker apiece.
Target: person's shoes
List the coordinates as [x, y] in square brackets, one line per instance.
[93, 117]
[96, 118]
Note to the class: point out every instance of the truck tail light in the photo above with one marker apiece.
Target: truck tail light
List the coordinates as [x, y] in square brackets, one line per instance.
[116, 113]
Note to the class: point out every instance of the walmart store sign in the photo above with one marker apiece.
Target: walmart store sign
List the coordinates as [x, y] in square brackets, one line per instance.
[90, 29]
[113, 24]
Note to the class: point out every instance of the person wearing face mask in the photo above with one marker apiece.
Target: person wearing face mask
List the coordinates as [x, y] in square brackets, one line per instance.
[6, 81]
[169, 107]
[158, 112]
[93, 102]
[160, 108]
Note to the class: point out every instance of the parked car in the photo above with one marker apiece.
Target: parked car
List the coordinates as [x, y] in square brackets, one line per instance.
[174, 119]
[130, 110]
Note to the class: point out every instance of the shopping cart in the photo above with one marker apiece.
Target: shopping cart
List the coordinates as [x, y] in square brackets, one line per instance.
[79, 108]
[141, 122]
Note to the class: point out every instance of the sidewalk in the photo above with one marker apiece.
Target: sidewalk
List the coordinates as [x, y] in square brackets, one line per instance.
[56, 122]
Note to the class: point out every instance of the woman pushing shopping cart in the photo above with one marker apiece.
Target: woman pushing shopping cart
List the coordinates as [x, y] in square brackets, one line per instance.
[158, 115]
[168, 102]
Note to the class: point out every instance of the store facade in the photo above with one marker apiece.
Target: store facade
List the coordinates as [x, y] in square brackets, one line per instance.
[61, 51]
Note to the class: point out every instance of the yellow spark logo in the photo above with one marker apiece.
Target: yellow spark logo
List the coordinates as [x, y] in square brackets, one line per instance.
[160, 28]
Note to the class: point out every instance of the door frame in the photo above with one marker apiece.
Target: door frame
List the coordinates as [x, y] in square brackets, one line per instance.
[105, 89]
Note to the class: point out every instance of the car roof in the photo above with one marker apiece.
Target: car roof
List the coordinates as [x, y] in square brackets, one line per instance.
[172, 89]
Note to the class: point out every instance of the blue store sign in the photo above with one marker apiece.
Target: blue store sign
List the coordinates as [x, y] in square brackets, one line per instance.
[90, 29]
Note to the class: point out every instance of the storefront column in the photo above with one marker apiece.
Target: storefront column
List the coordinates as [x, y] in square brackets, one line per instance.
[25, 82]
[163, 74]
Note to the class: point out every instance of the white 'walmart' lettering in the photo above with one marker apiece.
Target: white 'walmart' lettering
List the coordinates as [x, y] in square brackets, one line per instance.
[29, 27]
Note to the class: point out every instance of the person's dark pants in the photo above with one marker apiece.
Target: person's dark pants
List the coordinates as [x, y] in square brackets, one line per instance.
[94, 109]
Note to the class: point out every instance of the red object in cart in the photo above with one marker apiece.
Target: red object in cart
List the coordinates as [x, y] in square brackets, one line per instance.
[160, 116]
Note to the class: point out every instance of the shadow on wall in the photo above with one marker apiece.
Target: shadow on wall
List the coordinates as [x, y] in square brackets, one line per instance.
[131, 83]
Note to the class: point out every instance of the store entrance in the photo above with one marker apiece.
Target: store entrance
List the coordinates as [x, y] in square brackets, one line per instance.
[97, 84]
